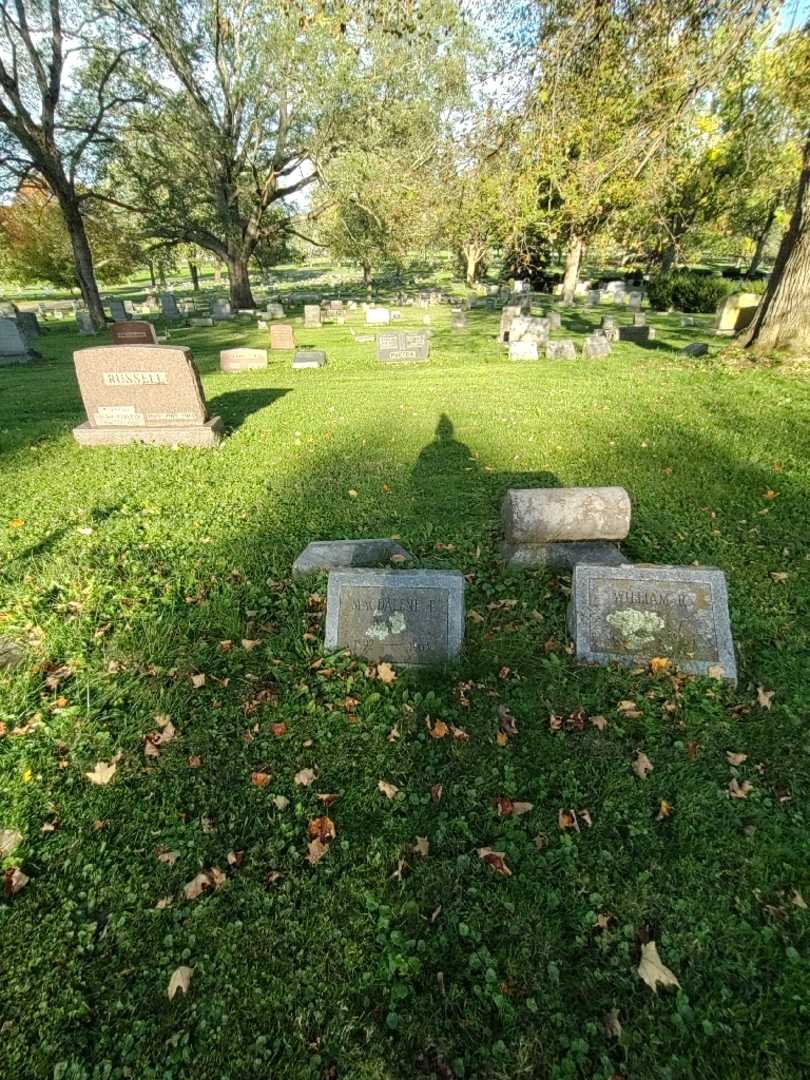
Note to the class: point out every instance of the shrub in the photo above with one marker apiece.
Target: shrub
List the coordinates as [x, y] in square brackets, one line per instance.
[688, 290]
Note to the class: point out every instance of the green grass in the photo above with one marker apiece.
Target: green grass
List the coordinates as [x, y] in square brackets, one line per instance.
[131, 567]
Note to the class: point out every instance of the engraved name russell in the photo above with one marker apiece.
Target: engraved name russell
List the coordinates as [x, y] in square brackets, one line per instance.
[133, 378]
[398, 603]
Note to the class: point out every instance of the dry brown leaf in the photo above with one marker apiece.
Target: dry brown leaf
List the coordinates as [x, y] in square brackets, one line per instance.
[194, 762]
[567, 819]
[327, 798]
[629, 709]
[393, 734]
[14, 881]
[281, 802]
[206, 879]
[385, 673]
[279, 729]
[508, 808]
[422, 846]
[316, 850]
[735, 759]
[642, 765]
[305, 777]
[692, 748]
[459, 733]
[502, 739]
[389, 790]
[198, 681]
[764, 697]
[599, 722]
[439, 730]
[739, 791]
[180, 980]
[102, 773]
[322, 828]
[149, 748]
[659, 664]
[798, 900]
[10, 839]
[436, 792]
[508, 722]
[249, 645]
[259, 778]
[166, 856]
[612, 1024]
[235, 858]
[664, 810]
[495, 859]
[652, 971]
[164, 902]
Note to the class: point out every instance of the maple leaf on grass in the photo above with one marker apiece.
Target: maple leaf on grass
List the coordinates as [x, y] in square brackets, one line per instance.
[507, 721]
[508, 808]
[305, 777]
[664, 810]
[14, 880]
[322, 828]
[642, 765]
[652, 971]
[495, 859]
[389, 790]
[385, 673]
[439, 730]
[206, 879]
[180, 980]
[735, 759]
[104, 771]
[739, 791]
[260, 778]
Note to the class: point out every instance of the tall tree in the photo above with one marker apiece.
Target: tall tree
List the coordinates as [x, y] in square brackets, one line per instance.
[54, 123]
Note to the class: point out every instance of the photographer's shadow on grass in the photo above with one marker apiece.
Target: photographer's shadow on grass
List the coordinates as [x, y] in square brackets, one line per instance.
[235, 406]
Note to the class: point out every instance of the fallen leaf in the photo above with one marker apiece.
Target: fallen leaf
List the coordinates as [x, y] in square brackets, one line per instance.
[629, 709]
[507, 808]
[249, 645]
[260, 779]
[166, 856]
[102, 773]
[735, 759]
[659, 664]
[279, 729]
[194, 762]
[393, 734]
[385, 673]
[280, 802]
[642, 765]
[322, 828]
[739, 791]
[436, 792]
[14, 881]
[664, 811]
[316, 850]
[352, 493]
[567, 819]
[764, 697]
[502, 739]
[652, 971]
[612, 1024]
[475, 616]
[540, 842]
[779, 575]
[9, 840]
[798, 900]
[692, 748]
[326, 798]
[401, 867]
[16, 523]
[508, 722]
[422, 846]
[599, 722]
[389, 790]
[495, 859]
[439, 730]
[198, 681]
[179, 981]
[306, 776]
[206, 879]
[164, 902]
[235, 858]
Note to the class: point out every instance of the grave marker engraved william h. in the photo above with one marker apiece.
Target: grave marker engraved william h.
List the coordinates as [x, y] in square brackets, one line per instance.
[142, 393]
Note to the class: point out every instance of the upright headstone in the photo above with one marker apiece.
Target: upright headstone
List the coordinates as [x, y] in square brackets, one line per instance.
[85, 323]
[281, 336]
[234, 360]
[14, 349]
[118, 311]
[403, 346]
[312, 316]
[736, 312]
[275, 311]
[523, 350]
[142, 393]
[639, 318]
[221, 310]
[28, 324]
[639, 335]
[634, 299]
[631, 614]
[133, 332]
[309, 358]
[561, 350]
[168, 306]
[377, 316]
[554, 321]
[596, 347]
[411, 617]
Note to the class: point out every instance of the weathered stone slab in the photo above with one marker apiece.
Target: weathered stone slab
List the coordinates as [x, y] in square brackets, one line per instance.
[133, 332]
[233, 360]
[312, 316]
[168, 306]
[596, 347]
[275, 311]
[403, 346]
[378, 316]
[85, 323]
[118, 311]
[523, 350]
[736, 312]
[639, 318]
[147, 393]
[541, 515]
[309, 358]
[630, 614]
[639, 335]
[697, 348]
[634, 299]
[200, 321]
[13, 345]
[28, 324]
[561, 350]
[411, 617]
[554, 321]
[562, 556]
[341, 554]
[221, 310]
[282, 336]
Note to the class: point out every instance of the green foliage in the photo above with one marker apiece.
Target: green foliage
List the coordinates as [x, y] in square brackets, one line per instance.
[688, 290]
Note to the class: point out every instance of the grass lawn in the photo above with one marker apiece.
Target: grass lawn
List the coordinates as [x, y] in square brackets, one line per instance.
[125, 571]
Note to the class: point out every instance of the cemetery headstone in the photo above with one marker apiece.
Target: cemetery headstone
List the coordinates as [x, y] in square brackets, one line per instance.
[85, 323]
[630, 614]
[697, 348]
[523, 350]
[341, 554]
[14, 348]
[133, 332]
[634, 299]
[377, 316]
[221, 310]
[233, 360]
[639, 335]
[168, 306]
[309, 358]
[554, 321]
[639, 318]
[275, 311]
[142, 393]
[118, 311]
[282, 336]
[200, 320]
[561, 350]
[410, 617]
[596, 347]
[403, 346]
[28, 324]
[312, 316]
[736, 312]
[12, 654]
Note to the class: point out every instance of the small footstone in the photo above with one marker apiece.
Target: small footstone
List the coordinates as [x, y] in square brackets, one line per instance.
[309, 358]
[697, 348]
[631, 614]
[339, 554]
[596, 347]
[411, 617]
[561, 350]
[562, 556]
[233, 360]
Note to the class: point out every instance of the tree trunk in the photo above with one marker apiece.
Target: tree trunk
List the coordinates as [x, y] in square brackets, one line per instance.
[782, 319]
[572, 263]
[82, 257]
[152, 274]
[217, 272]
[366, 272]
[473, 256]
[241, 295]
[762, 239]
[195, 277]
[668, 258]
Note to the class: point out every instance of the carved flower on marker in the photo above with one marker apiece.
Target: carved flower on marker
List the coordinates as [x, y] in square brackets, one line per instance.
[637, 628]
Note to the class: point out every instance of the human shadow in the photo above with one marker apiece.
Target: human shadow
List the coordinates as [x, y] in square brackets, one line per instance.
[235, 406]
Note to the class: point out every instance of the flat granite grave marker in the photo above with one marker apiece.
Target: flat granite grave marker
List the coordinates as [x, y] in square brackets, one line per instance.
[341, 554]
[630, 614]
[13, 346]
[142, 393]
[309, 358]
[233, 360]
[403, 346]
[200, 320]
[134, 332]
[282, 336]
[412, 617]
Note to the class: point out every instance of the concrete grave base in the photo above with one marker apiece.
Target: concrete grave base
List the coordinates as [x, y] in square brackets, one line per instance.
[338, 554]
[206, 435]
[561, 556]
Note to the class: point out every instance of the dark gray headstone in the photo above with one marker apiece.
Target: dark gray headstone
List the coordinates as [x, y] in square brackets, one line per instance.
[118, 311]
[403, 346]
[630, 614]
[221, 310]
[28, 324]
[85, 323]
[403, 616]
[309, 358]
[341, 554]
[639, 335]
[168, 305]
[134, 332]
[697, 348]
[13, 346]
